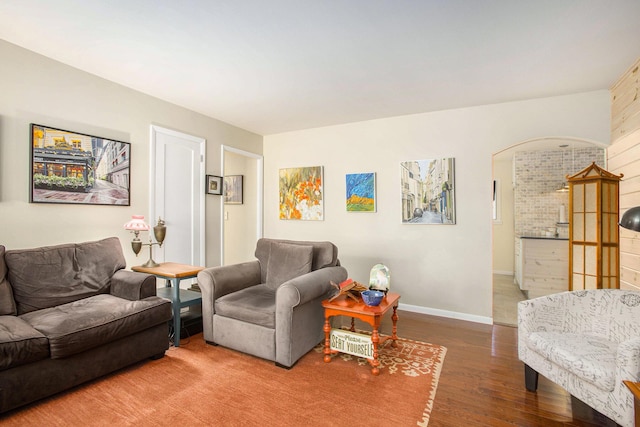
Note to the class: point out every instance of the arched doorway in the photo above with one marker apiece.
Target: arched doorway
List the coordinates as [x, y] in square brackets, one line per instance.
[528, 199]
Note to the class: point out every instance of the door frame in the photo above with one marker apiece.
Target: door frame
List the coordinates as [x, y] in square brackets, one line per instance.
[199, 190]
[259, 194]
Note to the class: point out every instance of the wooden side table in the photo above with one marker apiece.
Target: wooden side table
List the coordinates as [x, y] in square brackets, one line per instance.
[173, 273]
[343, 306]
[635, 390]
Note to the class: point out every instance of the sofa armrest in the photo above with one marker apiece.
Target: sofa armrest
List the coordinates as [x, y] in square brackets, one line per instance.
[133, 285]
[308, 287]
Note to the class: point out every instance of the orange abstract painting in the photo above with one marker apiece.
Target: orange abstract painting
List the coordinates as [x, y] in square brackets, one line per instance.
[301, 193]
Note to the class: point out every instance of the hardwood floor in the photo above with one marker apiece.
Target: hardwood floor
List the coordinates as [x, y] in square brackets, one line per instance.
[482, 381]
[506, 295]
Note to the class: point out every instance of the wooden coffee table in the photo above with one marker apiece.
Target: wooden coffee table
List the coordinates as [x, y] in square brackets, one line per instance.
[343, 306]
[173, 273]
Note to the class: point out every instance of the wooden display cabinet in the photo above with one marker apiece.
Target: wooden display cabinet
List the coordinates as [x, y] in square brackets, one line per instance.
[594, 250]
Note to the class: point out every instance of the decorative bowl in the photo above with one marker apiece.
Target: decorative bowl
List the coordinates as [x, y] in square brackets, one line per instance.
[372, 298]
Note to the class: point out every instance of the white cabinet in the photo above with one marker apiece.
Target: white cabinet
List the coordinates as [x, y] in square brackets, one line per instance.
[544, 266]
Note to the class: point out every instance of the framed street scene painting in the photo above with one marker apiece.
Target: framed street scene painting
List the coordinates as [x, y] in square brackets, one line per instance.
[428, 191]
[76, 168]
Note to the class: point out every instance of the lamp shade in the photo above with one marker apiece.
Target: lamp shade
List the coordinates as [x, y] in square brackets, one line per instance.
[631, 219]
[137, 224]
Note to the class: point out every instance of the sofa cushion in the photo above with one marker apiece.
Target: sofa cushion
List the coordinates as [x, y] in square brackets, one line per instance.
[53, 275]
[20, 343]
[255, 304]
[287, 261]
[589, 357]
[7, 304]
[90, 322]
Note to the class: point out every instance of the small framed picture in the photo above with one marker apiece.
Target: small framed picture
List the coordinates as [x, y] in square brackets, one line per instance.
[214, 185]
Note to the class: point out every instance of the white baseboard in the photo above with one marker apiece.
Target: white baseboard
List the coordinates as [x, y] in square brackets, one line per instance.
[446, 313]
[503, 272]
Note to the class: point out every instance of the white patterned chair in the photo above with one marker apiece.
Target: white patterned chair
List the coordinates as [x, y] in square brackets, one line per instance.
[587, 342]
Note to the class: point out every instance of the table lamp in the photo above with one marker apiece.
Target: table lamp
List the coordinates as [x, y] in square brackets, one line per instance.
[137, 224]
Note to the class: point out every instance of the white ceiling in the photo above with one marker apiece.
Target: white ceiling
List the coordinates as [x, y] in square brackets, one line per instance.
[272, 66]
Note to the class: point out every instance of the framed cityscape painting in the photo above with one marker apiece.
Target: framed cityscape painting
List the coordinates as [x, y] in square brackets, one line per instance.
[428, 191]
[361, 192]
[76, 168]
[301, 193]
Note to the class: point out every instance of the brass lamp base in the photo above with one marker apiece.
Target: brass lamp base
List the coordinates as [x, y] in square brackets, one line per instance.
[150, 263]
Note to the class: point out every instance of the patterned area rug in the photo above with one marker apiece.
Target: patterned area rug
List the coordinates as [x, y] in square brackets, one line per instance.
[202, 385]
[416, 359]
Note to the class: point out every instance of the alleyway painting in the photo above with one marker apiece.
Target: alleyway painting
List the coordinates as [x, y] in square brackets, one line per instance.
[75, 168]
[428, 191]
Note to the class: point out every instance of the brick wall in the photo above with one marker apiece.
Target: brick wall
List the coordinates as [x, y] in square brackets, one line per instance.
[537, 176]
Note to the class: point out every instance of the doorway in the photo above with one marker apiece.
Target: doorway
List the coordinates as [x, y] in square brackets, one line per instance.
[242, 220]
[177, 195]
[529, 206]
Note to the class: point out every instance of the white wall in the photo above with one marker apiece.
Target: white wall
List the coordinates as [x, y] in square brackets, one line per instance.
[442, 269]
[35, 89]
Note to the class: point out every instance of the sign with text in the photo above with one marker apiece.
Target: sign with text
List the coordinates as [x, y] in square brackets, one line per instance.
[351, 343]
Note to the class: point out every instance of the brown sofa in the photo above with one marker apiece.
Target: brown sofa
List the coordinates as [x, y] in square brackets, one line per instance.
[71, 313]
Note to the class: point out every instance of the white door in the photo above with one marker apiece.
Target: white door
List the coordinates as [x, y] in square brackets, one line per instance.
[177, 195]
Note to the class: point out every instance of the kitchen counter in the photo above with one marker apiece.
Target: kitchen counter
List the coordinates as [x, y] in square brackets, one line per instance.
[543, 265]
[544, 237]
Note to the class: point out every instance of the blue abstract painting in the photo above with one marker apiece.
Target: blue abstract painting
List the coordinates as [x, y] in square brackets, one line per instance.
[361, 192]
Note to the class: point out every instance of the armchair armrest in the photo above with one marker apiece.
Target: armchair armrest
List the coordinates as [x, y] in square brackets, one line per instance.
[219, 281]
[215, 282]
[628, 360]
[308, 287]
[299, 313]
[544, 313]
[133, 285]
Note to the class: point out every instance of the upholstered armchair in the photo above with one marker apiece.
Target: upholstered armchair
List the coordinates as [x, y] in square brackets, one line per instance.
[587, 342]
[271, 307]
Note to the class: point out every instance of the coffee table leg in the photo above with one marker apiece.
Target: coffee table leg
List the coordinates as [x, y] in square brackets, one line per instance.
[375, 363]
[327, 344]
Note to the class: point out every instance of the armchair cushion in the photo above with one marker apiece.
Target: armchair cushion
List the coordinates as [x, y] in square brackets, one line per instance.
[255, 304]
[7, 304]
[287, 261]
[325, 254]
[589, 357]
